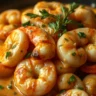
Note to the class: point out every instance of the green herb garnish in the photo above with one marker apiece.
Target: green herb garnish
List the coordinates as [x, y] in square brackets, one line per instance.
[61, 20]
[61, 91]
[83, 6]
[10, 85]
[8, 54]
[73, 54]
[82, 35]
[28, 55]
[28, 23]
[81, 88]
[66, 39]
[1, 87]
[72, 79]
[14, 46]
[31, 15]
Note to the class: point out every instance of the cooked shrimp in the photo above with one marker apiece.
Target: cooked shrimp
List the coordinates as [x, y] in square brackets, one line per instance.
[85, 15]
[90, 84]
[44, 43]
[62, 68]
[11, 16]
[68, 81]
[5, 30]
[74, 92]
[38, 21]
[51, 7]
[24, 17]
[34, 77]
[14, 48]
[67, 46]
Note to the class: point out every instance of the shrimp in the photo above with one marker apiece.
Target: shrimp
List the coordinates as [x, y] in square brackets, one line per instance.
[67, 46]
[62, 68]
[38, 21]
[90, 84]
[11, 16]
[14, 48]
[34, 77]
[74, 92]
[24, 17]
[85, 15]
[50, 7]
[68, 81]
[43, 42]
[5, 30]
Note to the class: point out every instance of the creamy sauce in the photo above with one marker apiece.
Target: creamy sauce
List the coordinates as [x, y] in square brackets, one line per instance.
[7, 87]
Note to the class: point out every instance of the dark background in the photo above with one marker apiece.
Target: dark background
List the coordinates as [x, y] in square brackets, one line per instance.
[19, 4]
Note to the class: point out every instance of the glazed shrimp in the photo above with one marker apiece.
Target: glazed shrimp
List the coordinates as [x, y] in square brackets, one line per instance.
[65, 83]
[74, 92]
[14, 48]
[62, 68]
[85, 15]
[11, 16]
[34, 77]
[24, 17]
[38, 21]
[90, 84]
[5, 30]
[67, 46]
[50, 7]
[43, 42]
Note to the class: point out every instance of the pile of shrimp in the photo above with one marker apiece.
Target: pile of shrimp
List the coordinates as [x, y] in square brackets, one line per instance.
[44, 64]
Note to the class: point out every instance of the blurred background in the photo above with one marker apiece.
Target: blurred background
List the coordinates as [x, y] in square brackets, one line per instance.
[19, 4]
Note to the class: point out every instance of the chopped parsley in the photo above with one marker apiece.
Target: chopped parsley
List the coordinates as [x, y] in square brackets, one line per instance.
[61, 20]
[73, 54]
[1, 87]
[28, 23]
[14, 46]
[8, 54]
[61, 91]
[83, 6]
[43, 25]
[66, 39]
[72, 79]
[81, 34]
[81, 88]
[10, 85]
[28, 55]
[31, 15]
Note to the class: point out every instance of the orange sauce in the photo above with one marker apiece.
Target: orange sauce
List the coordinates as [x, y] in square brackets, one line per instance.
[7, 87]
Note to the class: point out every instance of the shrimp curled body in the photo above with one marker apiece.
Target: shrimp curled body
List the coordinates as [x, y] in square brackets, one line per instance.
[68, 43]
[11, 16]
[34, 77]
[90, 84]
[44, 43]
[14, 48]
[51, 7]
[65, 84]
[85, 15]
[74, 92]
